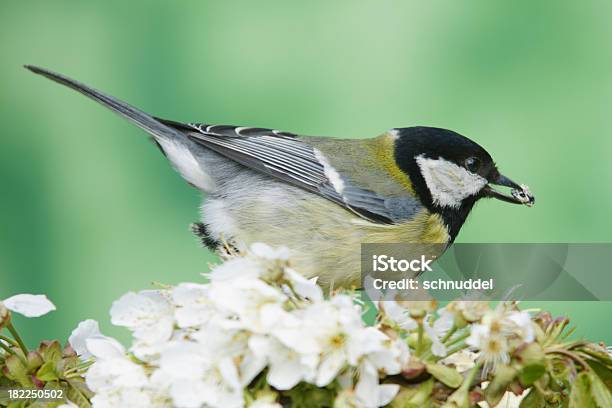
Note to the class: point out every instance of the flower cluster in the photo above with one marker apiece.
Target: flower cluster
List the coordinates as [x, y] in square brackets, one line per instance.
[255, 321]
[258, 334]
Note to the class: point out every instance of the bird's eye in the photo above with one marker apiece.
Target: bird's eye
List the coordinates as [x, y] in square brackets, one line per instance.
[472, 164]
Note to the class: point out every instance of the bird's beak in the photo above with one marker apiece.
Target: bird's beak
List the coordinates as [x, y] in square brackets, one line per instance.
[518, 194]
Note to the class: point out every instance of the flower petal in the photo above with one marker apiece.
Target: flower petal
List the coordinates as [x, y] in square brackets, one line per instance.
[86, 329]
[29, 305]
[104, 347]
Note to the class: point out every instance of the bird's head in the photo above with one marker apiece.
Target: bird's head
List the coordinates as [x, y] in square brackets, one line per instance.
[450, 172]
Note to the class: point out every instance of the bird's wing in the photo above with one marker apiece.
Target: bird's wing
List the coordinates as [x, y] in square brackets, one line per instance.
[287, 157]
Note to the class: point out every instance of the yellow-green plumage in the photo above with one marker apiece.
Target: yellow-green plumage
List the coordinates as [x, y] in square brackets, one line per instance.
[325, 238]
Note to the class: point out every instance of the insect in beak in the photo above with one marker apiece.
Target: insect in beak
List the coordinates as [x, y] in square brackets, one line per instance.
[519, 194]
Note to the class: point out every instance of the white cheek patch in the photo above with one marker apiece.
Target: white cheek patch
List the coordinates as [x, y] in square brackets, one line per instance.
[448, 183]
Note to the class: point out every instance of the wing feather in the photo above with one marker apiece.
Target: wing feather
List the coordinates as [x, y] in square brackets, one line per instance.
[287, 157]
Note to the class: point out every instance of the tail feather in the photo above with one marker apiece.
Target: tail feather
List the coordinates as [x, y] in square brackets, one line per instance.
[174, 144]
[139, 118]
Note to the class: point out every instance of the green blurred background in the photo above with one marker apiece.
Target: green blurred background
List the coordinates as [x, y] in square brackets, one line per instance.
[90, 209]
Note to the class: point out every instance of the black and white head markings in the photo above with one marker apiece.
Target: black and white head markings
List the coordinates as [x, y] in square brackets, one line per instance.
[450, 172]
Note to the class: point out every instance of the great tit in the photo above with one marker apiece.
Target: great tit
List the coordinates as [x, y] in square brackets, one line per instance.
[321, 196]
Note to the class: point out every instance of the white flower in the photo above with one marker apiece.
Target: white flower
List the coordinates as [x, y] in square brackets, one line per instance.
[440, 327]
[492, 336]
[306, 288]
[257, 305]
[444, 322]
[368, 391]
[148, 314]
[391, 356]
[199, 375]
[29, 305]
[114, 372]
[520, 323]
[261, 261]
[397, 314]
[492, 345]
[104, 347]
[133, 397]
[201, 345]
[237, 268]
[333, 333]
[286, 367]
[193, 306]
[223, 342]
[469, 310]
[89, 329]
[388, 359]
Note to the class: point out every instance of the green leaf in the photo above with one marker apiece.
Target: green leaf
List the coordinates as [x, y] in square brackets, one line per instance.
[496, 389]
[531, 359]
[458, 399]
[598, 354]
[530, 354]
[79, 394]
[446, 375]
[47, 372]
[533, 400]
[531, 374]
[580, 396]
[417, 396]
[599, 391]
[604, 372]
[17, 371]
[306, 395]
[50, 350]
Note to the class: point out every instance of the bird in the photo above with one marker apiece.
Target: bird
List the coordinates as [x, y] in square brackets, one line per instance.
[322, 197]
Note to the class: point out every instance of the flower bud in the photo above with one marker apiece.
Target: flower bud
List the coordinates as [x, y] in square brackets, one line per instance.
[418, 308]
[543, 319]
[5, 315]
[413, 369]
[34, 360]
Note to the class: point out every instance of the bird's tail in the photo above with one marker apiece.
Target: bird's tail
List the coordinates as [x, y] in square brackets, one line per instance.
[175, 145]
[141, 119]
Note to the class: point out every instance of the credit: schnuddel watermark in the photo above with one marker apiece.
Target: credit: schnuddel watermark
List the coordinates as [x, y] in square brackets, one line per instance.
[488, 271]
[382, 265]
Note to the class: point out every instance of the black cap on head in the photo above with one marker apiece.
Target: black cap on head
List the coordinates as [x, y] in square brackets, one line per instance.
[442, 144]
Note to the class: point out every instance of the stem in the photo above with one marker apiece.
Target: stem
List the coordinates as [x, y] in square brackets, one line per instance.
[456, 349]
[17, 338]
[573, 356]
[7, 349]
[458, 339]
[449, 334]
[79, 367]
[541, 389]
[467, 382]
[9, 340]
[419, 347]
